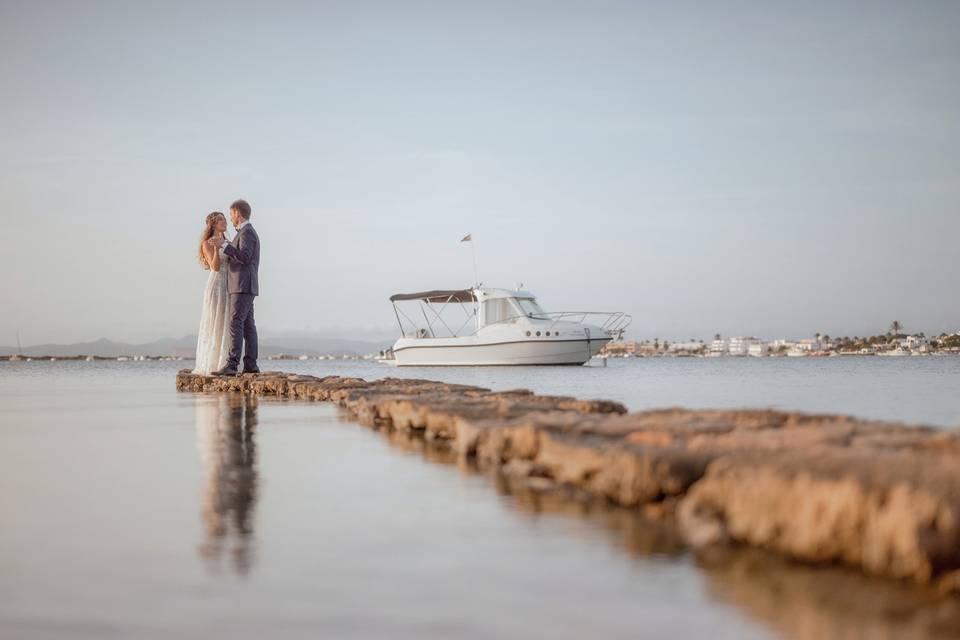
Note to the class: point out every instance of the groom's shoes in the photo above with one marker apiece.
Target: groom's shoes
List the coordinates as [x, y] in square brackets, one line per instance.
[254, 370]
[226, 371]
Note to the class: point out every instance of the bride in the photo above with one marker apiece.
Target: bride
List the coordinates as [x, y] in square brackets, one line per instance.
[213, 342]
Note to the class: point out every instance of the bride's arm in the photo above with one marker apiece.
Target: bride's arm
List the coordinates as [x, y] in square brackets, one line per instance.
[215, 249]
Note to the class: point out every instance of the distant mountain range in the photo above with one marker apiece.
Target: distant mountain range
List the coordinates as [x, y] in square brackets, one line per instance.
[187, 345]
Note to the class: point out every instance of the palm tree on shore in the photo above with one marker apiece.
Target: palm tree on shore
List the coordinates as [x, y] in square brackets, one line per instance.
[895, 328]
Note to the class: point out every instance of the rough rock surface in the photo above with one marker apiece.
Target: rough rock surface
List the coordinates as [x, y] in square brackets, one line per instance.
[824, 489]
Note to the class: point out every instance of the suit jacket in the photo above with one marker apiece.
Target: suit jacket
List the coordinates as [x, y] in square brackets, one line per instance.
[243, 261]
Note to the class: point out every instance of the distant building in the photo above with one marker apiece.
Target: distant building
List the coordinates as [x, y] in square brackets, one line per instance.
[740, 346]
[719, 347]
[758, 349]
[807, 346]
[686, 347]
[625, 348]
[918, 343]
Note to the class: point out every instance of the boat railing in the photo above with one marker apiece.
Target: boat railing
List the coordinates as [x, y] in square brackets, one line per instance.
[433, 319]
[613, 323]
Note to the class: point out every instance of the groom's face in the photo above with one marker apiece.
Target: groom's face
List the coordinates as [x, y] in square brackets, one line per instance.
[235, 217]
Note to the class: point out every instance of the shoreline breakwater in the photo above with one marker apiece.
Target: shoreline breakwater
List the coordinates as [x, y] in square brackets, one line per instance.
[883, 498]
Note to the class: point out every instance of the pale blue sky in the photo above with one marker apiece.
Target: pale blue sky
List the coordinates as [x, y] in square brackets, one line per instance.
[747, 168]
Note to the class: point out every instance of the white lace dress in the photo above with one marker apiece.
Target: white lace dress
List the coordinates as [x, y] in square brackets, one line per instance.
[213, 341]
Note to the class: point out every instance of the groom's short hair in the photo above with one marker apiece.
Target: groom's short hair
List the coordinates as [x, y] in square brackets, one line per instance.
[242, 207]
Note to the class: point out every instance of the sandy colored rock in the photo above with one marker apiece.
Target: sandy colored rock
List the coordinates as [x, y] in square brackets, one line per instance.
[890, 513]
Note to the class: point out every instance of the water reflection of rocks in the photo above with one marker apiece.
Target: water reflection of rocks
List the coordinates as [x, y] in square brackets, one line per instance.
[801, 601]
[225, 429]
[794, 600]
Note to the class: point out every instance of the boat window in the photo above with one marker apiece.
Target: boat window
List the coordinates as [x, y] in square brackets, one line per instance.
[530, 306]
[498, 310]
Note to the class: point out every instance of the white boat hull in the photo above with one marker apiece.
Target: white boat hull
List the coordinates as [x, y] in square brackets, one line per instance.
[426, 352]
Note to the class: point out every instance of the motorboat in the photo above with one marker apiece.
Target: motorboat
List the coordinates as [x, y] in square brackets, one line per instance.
[487, 326]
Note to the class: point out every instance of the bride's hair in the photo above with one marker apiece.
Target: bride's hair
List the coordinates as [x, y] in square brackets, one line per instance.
[208, 231]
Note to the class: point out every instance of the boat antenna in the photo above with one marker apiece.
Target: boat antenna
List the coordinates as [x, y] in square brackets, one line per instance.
[473, 252]
[19, 348]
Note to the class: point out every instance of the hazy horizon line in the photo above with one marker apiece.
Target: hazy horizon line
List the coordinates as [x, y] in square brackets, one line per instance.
[376, 337]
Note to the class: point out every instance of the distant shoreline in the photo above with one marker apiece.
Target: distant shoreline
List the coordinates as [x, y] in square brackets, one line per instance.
[836, 354]
[374, 357]
[126, 358]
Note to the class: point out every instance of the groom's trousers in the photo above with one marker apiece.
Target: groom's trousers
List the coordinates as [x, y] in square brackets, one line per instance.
[242, 330]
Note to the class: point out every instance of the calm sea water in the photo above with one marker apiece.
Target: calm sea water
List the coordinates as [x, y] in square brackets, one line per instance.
[131, 510]
[909, 389]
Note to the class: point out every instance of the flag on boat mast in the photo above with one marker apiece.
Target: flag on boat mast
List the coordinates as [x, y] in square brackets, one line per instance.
[473, 252]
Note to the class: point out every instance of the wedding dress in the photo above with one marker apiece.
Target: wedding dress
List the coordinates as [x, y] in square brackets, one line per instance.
[213, 341]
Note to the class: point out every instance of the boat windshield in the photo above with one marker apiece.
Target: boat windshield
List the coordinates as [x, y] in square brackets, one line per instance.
[530, 307]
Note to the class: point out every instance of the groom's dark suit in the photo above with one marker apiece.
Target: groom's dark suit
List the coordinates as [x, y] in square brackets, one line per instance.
[243, 261]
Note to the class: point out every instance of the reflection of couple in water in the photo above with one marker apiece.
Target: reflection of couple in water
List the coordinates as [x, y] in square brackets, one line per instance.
[225, 429]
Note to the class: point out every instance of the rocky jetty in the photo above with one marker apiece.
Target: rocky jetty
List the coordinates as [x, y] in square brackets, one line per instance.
[823, 489]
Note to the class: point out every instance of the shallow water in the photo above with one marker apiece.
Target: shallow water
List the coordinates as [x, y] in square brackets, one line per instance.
[131, 510]
[912, 389]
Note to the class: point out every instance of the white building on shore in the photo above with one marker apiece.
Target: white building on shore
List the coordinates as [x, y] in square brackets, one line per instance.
[781, 344]
[758, 349]
[740, 345]
[686, 347]
[798, 347]
[914, 343]
[719, 347]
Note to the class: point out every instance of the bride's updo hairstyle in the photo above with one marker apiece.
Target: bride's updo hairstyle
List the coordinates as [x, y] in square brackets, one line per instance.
[208, 231]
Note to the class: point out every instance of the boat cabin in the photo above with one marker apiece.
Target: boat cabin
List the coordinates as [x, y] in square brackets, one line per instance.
[501, 305]
[478, 308]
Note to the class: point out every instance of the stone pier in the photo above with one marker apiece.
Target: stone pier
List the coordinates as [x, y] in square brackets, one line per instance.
[823, 489]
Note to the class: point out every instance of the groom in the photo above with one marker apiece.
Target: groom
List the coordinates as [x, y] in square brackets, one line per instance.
[243, 260]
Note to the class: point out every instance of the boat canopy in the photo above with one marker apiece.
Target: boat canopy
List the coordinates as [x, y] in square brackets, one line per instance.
[437, 295]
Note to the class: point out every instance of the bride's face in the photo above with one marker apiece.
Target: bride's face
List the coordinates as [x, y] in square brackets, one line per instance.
[220, 226]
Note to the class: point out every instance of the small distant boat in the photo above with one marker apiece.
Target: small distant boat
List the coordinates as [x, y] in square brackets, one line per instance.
[19, 355]
[899, 351]
[487, 326]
